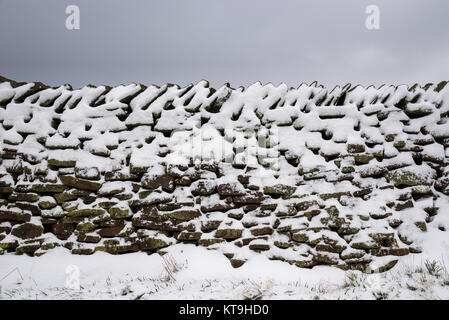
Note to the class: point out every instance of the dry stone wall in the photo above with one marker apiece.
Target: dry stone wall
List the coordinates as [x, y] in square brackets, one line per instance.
[349, 177]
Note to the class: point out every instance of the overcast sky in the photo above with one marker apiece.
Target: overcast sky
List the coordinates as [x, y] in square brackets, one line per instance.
[236, 41]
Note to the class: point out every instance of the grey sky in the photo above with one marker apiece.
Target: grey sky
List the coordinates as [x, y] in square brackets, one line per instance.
[236, 41]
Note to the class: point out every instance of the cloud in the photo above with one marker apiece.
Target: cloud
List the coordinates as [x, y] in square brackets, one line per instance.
[240, 42]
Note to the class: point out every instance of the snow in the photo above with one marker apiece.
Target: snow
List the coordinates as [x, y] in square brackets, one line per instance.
[206, 274]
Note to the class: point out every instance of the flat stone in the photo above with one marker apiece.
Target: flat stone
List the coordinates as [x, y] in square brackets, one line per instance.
[189, 236]
[88, 238]
[228, 234]
[25, 206]
[80, 183]
[61, 163]
[210, 242]
[261, 231]
[165, 181]
[231, 189]
[259, 247]
[27, 230]
[14, 216]
[41, 188]
[203, 187]
[119, 176]
[62, 230]
[24, 197]
[110, 232]
[87, 173]
[249, 198]
[85, 213]
[280, 190]
[119, 213]
[184, 215]
[152, 244]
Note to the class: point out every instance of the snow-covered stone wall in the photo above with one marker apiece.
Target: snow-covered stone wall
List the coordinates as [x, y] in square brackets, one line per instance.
[350, 177]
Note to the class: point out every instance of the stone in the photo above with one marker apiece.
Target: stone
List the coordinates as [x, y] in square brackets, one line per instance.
[154, 225]
[228, 234]
[421, 225]
[88, 238]
[282, 244]
[223, 207]
[23, 197]
[112, 223]
[85, 213]
[249, 198]
[304, 205]
[82, 251]
[41, 188]
[209, 242]
[237, 263]
[312, 213]
[119, 213]
[29, 248]
[6, 190]
[325, 258]
[362, 192]
[66, 196]
[261, 231]
[203, 187]
[231, 189]
[280, 190]
[110, 232]
[14, 216]
[61, 163]
[25, 206]
[189, 236]
[80, 183]
[86, 226]
[403, 206]
[355, 148]
[300, 237]
[210, 225]
[70, 206]
[389, 251]
[151, 244]
[87, 173]
[110, 189]
[379, 215]
[151, 181]
[327, 245]
[408, 177]
[9, 245]
[117, 248]
[47, 203]
[27, 230]
[107, 204]
[363, 158]
[289, 210]
[119, 176]
[184, 215]
[384, 267]
[268, 206]
[62, 230]
[259, 247]
[336, 195]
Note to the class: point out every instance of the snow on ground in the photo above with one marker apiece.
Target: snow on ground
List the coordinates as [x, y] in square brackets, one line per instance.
[197, 273]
